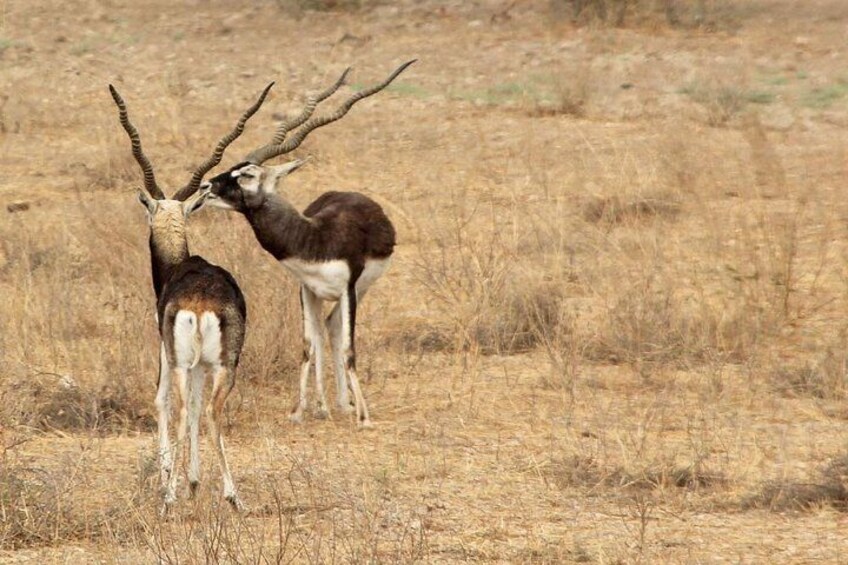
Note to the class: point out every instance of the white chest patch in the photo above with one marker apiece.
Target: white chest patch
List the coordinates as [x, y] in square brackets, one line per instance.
[328, 279]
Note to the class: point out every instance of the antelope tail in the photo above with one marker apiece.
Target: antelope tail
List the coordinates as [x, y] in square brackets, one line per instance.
[197, 343]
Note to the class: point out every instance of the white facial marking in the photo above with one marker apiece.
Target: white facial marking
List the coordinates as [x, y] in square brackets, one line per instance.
[328, 279]
[249, 183]
[217, 202]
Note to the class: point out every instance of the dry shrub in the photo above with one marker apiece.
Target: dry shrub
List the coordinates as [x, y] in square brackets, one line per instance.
[652, 325]
[709, 15]
[722, 101]
[587, 472]
[523, 315]
[298, 6]
[567, 93]
[31, 506]
[824, 379]
[828, 488]
[419, 335]
[492, 309]
[57, 402]
[42, 506]
[622, 210]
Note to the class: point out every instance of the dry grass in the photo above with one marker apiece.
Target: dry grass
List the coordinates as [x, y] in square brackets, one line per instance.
[613, 330]
[709, 15]
[828, 488]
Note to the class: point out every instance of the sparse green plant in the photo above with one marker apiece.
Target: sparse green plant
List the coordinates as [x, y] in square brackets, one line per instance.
[824, 97]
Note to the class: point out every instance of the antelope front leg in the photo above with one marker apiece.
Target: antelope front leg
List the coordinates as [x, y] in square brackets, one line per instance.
[308, 354]
[317, 333]
[347, 305]
[312, 353]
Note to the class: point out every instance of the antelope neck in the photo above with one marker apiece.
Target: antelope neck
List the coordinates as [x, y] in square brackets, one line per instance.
[166, 254]
[281, 229]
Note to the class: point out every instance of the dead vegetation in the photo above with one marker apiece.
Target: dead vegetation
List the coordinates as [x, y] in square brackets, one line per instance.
[829, 488]
[586, 472]
[614, 326]
[618, 210]
[708, 15]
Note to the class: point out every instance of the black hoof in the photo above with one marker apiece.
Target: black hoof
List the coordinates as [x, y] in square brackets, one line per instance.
[235, 503]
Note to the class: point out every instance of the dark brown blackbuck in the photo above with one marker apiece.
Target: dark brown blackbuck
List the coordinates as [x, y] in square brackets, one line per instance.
[336, 248]
[201, 315]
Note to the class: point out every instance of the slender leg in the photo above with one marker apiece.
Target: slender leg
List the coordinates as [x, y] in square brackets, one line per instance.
[347, 304]
[313, 352]
[308, 357]
[334, 328]
[223, 379]
[317, 333]
[195, 401]
[180, 375]
[163, 409]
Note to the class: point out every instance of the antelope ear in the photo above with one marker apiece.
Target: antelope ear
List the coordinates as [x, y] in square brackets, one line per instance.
[150, 203]
[290, 167]
[274, 174]
[195, 202]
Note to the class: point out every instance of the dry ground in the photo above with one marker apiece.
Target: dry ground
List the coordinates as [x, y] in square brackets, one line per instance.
[614, 330]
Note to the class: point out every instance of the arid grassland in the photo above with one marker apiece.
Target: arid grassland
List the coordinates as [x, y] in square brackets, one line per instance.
[615, 326]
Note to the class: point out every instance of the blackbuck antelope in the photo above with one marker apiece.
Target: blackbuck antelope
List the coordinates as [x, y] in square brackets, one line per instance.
[336, 248]
[201, 314]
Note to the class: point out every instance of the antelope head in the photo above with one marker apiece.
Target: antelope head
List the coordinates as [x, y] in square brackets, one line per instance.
[248, 184]
[167, 216]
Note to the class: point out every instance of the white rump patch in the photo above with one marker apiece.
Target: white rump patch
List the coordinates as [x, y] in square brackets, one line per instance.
[185, 326]
[210, 329]
[327, 279]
